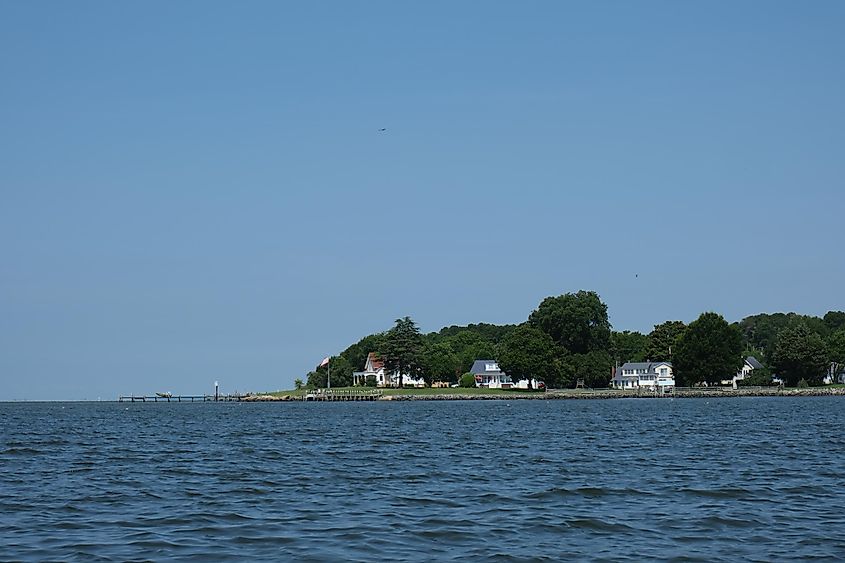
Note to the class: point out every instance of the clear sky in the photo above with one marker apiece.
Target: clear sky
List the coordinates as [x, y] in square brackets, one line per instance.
[199, 191]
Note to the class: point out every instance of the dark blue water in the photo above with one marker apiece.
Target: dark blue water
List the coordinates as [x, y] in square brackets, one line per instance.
[732, 479]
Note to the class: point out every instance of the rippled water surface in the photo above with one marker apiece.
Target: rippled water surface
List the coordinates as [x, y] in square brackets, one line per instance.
[758, 479]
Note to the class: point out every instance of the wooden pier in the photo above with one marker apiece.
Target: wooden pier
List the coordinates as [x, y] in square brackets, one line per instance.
[343, 395]
[179, 398]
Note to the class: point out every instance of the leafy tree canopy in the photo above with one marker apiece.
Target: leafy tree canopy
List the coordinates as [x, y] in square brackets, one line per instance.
[800, 354]
[488, 332]
[469, 346]
[834, 320]
[595, 368]
[629, 346]
[529, 353]
[440, 363]
[710, 350]
[663, 341]
[341, 373]
[576, 321]
[761, 331]
[836, 352]
[357, 353]
[401, 349]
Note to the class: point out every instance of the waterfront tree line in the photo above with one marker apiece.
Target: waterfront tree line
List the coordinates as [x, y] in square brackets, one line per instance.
[569, 338]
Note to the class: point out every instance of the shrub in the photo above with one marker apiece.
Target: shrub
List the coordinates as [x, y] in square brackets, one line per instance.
[467, 380]
[370, 381]
[803, 384]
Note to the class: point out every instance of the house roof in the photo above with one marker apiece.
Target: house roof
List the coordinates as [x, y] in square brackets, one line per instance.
[480, 367]
[375, 361]
[752, 361]
[649, 367]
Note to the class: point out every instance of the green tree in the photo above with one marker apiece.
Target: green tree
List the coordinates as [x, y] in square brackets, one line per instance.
[834, 320]
[836, 353]
[489, 332]
[356, 354]
[467, 380]
[440, 363]
[469, 346]
[315, 380]
[800, 354]
[578, 322]
[710, 350]
[401, 350]
[341, 373]
[595, 368]
[629, 346]
[759, 377]
[298, 383]
[528, 353]
[663, 341]
[761, 331]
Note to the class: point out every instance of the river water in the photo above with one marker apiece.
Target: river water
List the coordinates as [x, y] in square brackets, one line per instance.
[732, 479]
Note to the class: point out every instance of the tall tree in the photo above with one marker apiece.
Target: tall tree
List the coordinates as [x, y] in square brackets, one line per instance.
[800, 354]
[710, 350]
[629, 346]
[576, 321]
[529, 353]
[401, 350]
[595, 368]
[663, 341]
[835, 320]
[836, 353]
[440, 363]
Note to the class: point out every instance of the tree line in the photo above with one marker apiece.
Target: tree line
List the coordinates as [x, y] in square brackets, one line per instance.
[569, 338]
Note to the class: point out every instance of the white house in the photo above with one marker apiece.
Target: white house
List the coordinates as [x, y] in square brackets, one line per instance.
[488, 374]
[748, 366]
[374, 367]
[632, 375]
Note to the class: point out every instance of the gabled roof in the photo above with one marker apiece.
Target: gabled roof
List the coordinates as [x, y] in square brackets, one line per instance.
[649, 367]
[752, 361]
[480, 366]
[374, 361]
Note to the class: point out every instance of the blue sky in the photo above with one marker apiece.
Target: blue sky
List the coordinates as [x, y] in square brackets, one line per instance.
[198, 191]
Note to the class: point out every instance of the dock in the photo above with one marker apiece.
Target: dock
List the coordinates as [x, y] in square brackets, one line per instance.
[179, 398]
[344, 395]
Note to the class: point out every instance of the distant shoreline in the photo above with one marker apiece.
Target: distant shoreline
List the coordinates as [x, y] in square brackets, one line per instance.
[558, 394]
[578, 394]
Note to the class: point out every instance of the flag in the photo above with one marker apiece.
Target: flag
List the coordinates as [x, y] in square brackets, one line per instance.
[325, 362]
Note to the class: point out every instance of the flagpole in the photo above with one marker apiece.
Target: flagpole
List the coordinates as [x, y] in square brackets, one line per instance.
[329, 374]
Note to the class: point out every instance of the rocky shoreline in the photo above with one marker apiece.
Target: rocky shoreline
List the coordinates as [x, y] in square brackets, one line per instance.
[572, 394]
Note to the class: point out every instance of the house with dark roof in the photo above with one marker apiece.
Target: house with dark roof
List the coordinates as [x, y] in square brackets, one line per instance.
[488, 374]
[748, 366]
[374, 368]
[632, 375]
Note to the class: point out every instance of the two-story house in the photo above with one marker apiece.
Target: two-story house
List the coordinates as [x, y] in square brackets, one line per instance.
[632, 375]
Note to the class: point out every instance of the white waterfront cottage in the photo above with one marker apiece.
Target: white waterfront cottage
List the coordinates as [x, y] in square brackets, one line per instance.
[488, 374]
[632, 375]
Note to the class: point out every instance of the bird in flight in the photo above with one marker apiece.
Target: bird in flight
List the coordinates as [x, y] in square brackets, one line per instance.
[382, 129]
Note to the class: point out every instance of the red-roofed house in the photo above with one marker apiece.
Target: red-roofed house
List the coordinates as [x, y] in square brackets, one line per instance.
[374, 367]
